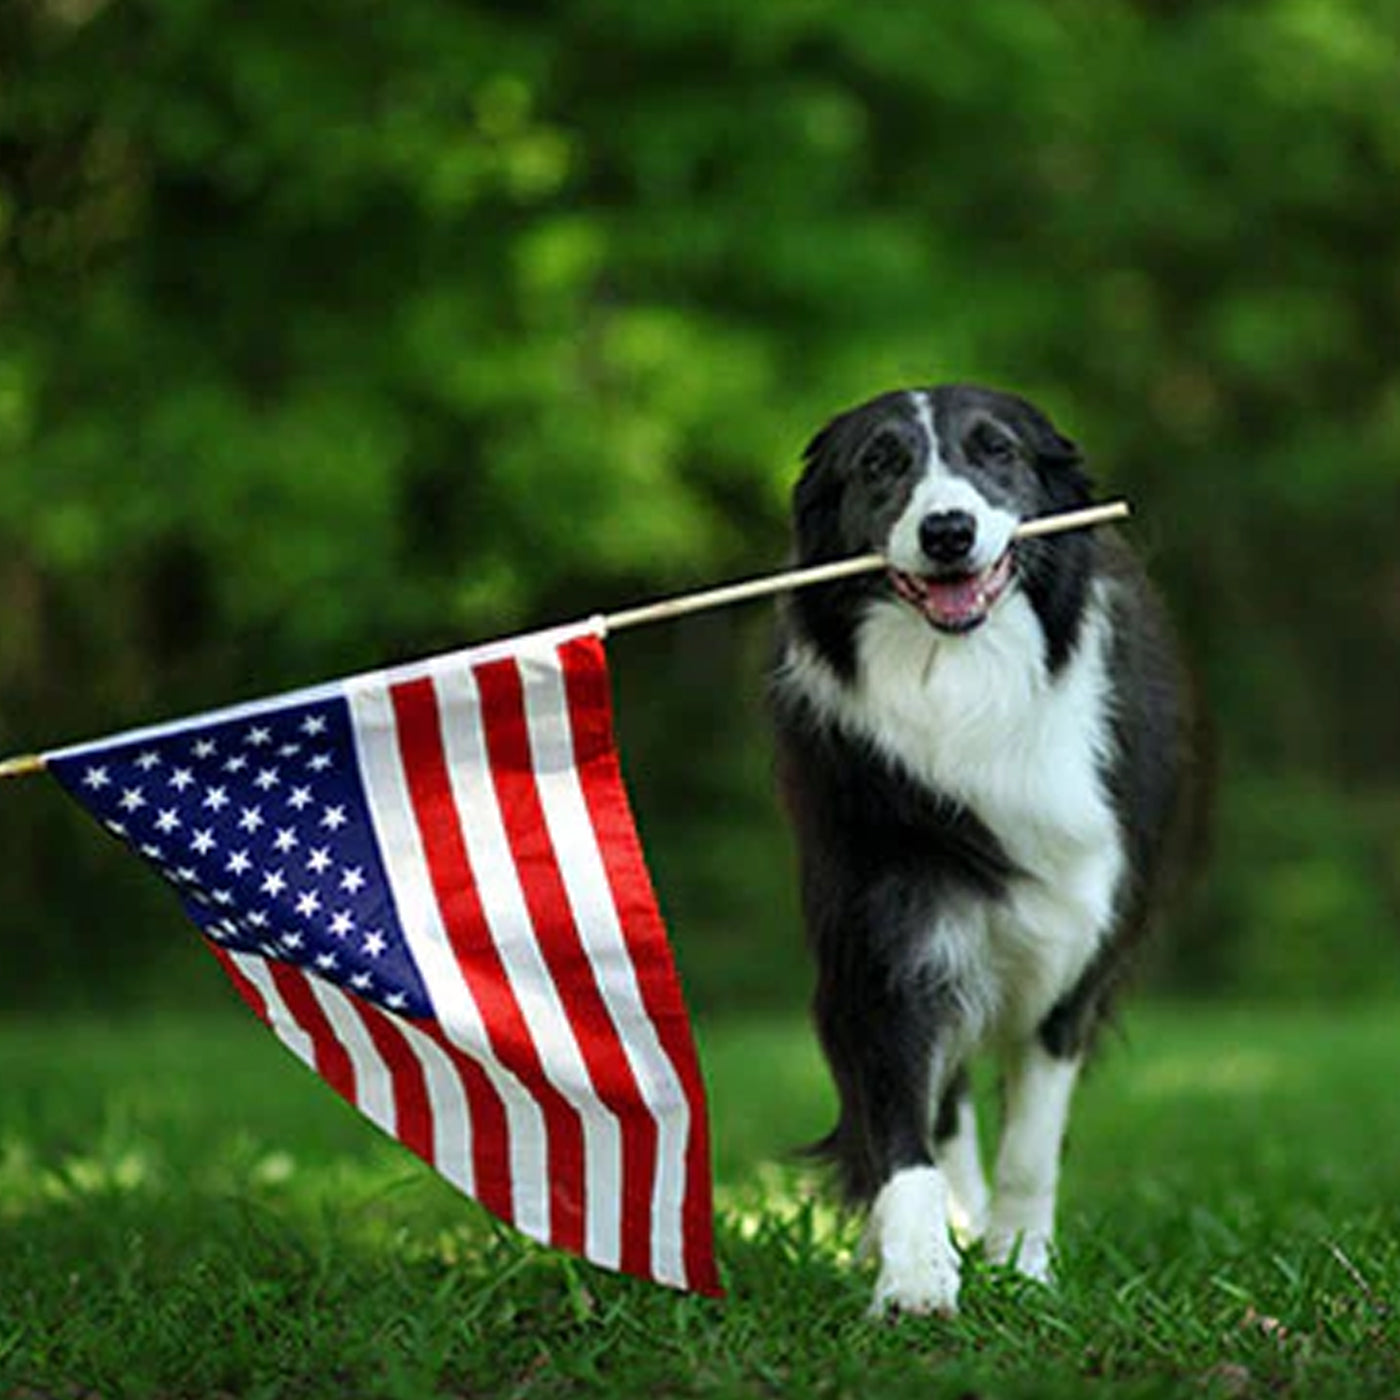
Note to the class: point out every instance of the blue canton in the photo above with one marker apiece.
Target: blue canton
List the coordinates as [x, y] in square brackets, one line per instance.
[262, 826]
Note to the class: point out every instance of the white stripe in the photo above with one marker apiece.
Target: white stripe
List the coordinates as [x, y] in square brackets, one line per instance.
[391, 810]
[590, 893]
[374, 1081]
[507, 913]
[284, 1025]
[452, 1125]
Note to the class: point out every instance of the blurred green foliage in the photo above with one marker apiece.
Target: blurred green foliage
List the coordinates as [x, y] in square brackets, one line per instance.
[337, 333]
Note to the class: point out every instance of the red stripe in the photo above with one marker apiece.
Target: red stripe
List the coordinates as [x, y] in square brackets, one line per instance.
[590, 709]
[559, 941]
[413, 1115]
[439, 826]
[333, 1061]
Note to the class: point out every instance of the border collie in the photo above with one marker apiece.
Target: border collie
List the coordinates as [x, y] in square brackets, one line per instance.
[984, 757]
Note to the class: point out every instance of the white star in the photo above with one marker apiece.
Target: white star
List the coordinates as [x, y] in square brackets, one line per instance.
[147, 761]
[216, 799]
[334, 818]
[223, 896]
[152, 852]
[257, 736]
[301, 797]
[375, 943]
[361, 981]
[96, 778]
[292, 940]
[116, 828]
[267, 778]
[289, 751]
[202, 842]
[326, 962]
[285, 839]
[319, 762]
[251, 819]
[181, 778]
[237, 763]
[205, 748]
[186, 875]
[167, 820]
[238, 863]
[341, 923]
[313, 725]
[353, 881]
[274, 882]
[395, 1001]
[308, 903]
[131, 799]
[319, 861]
[257, 918]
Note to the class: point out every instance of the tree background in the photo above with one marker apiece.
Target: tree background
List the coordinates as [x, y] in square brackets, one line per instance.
[332, 334]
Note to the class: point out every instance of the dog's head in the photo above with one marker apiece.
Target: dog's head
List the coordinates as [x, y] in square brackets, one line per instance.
[937, 481]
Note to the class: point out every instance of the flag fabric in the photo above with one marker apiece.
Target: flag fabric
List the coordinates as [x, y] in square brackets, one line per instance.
[428, 883]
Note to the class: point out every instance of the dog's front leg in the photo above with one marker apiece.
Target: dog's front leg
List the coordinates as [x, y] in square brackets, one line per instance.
[1039, 1087]
[889, 1061]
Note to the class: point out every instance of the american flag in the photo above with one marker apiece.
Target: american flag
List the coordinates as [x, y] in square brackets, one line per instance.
[427, 882]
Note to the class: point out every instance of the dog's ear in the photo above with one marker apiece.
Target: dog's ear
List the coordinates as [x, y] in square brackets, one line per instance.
[1059, 461]
[1056, 450]
[816, 499]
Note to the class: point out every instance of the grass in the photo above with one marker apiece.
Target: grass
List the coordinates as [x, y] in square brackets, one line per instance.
[185, 1212]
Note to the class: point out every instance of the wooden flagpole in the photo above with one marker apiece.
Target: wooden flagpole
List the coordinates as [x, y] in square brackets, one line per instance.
[26, 764]
[843, 568]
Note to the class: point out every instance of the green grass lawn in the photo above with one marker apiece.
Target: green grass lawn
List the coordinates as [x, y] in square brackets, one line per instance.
[185, 1211]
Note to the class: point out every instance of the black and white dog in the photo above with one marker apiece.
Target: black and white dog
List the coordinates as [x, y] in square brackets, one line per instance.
[984, 755]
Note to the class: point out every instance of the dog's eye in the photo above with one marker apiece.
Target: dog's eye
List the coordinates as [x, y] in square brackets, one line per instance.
[884, 456]
[993, 447]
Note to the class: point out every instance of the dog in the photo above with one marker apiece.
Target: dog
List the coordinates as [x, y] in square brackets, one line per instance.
[985, 755]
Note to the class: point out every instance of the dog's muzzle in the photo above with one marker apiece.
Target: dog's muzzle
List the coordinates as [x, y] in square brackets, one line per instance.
[951, 594]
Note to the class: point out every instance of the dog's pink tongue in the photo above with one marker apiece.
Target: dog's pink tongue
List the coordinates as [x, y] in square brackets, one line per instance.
[955, 601]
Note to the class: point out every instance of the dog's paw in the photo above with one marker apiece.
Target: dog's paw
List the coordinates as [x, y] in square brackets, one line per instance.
[918, 1280]
[1029, 1252]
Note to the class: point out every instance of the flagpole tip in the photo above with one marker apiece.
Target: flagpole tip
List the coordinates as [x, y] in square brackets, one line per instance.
[24, 766]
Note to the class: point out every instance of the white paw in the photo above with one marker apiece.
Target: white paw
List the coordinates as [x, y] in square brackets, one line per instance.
[908, 1234]
[1029, 1252]
[921, 1279]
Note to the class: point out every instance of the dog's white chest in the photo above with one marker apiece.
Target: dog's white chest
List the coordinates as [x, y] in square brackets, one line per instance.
[976, 718]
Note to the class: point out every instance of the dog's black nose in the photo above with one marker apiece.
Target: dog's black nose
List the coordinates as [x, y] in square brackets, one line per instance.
[947, 536]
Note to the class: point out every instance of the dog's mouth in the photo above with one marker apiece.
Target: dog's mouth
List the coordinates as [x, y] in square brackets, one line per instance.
[955, 602]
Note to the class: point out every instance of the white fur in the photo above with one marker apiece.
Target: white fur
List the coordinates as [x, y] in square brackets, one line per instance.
[1022, 1223]
[961, 1160]
[908, 1230]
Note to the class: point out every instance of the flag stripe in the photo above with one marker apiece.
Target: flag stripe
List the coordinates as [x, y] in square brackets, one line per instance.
[430, 790]
[408, 1079]
[507, 1128]
[372, 1077]
[330, 1059]
[600, 775]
